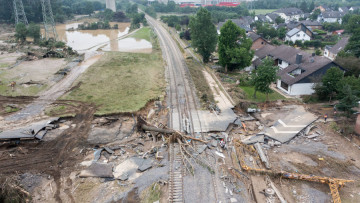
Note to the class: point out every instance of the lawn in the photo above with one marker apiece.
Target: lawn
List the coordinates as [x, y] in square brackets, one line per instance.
[260, 97]
[143, 33]
[123, 82]
[262, 11]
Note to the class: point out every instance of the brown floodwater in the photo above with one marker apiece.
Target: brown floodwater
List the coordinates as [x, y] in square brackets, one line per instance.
[82, 40]
[129, 45]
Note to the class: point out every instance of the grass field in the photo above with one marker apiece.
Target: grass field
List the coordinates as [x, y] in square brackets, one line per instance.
[143, 33]
[122, 82]
[260, 97]
[262, 11]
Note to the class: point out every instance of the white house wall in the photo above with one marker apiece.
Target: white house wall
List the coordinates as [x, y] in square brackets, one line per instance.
[297, 88]
[301, 89]
[302, 37]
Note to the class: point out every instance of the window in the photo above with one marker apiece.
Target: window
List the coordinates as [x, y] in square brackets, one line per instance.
[280, 61]
[284, 86]
[304, 35]
[262, 42]
[297, 35]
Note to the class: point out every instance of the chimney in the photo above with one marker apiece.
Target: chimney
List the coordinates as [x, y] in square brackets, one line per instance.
[312, 59]
[298, 58]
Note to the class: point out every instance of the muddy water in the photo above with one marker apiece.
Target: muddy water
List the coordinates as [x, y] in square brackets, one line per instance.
[129, 45]
[82, 40]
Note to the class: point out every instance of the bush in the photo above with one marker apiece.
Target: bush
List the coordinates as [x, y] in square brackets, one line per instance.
[59, 44]
[318, 52]
[275, 42]
[320, 32]
[298, 43]
[34, 32]
[178, 27]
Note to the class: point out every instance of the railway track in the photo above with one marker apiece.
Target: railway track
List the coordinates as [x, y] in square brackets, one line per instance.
[184, 114]
[176, 172]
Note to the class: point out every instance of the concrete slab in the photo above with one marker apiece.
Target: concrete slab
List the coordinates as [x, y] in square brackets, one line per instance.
[27, 132]
[97, 170]
[290, 125]
[128, 167]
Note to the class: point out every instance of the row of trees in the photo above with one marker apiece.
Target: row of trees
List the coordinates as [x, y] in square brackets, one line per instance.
[233, 45]
[32, 31]
[62, 9]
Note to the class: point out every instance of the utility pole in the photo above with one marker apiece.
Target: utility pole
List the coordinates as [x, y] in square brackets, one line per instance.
[48, 18]
[20, 16]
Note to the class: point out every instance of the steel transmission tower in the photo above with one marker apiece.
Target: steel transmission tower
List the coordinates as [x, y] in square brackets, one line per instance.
[49, 23]
[20, 16]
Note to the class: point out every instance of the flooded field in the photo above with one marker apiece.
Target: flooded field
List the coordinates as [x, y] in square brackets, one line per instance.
[129, 45]
[107, 40]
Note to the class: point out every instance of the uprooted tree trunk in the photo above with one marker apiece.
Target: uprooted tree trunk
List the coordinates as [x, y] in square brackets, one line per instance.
[143, 125]
[174, 136]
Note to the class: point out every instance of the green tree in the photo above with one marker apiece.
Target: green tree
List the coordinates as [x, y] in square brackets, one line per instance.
[234, 47]
[203, 33]
[263, 76]
[279, 20]
[88, 7]
[303, 6]
[353, 23]
[21, 32]
[329, 83]
[315, 14]
[354, 43]
[178, 27]
[311, 6]
[349, 101]
[34, 32]
[281, 32]
[171, 6]
[351, 81]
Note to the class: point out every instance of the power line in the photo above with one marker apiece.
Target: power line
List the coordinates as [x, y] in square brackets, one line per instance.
[20, 16]
[48, 18]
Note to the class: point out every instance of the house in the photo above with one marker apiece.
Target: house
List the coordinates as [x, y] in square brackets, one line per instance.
[272, 17]
[290, 14]
[331, 17]
[242, 23]
[306, 15]
[354, 8]
[300, 78]
[299, 70]
[297, 34]
[323, 8]
[331, 52]
[312, 25]
[261, 18]
[338, 32]
[344, 9]
[258, 41]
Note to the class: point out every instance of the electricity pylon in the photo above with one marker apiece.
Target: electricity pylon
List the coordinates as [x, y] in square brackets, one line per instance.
[49, 23]
[20, 16]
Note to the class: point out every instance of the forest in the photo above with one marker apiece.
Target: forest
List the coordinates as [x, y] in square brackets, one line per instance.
[62, 9]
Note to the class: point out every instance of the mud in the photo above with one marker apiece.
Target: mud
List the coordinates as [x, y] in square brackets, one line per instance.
[53, 157]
